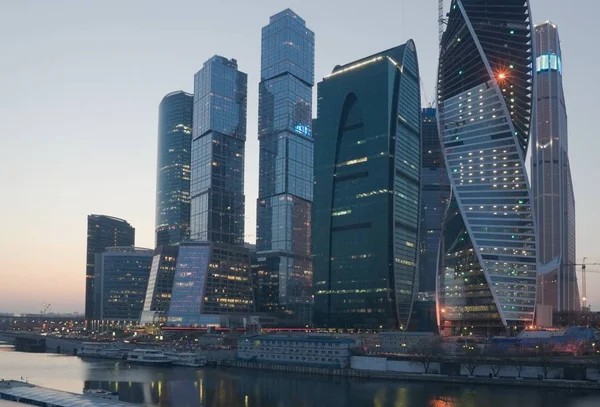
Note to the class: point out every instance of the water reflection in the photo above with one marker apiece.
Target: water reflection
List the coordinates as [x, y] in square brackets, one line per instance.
[209, 387]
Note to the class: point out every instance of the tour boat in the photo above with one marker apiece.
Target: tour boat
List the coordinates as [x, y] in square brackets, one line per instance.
[105, 350]
[188, 359]
[102, 394]
[148, 357]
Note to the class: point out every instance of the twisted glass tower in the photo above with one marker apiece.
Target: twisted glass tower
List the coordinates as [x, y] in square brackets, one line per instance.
[551, 179]
[487, 270]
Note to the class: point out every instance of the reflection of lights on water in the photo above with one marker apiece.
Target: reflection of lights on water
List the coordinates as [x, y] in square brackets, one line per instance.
[159, 388]
[246, 400]
[201, 391]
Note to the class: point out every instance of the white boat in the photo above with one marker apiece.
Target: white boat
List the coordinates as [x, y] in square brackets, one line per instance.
[188, 359]
[101, 394]
[148, 357]
[105, 350]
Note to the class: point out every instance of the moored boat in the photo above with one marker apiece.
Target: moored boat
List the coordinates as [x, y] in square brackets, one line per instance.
[148, 357]
[187, 359]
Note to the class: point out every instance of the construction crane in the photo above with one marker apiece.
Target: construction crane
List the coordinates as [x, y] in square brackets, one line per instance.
[44, 310]
[441, 21]
[584, 271]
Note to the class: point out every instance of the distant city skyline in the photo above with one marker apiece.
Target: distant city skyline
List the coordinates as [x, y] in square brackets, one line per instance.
[81, 91]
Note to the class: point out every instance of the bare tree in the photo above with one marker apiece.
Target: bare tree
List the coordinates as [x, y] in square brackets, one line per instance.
[428, 352]
[472, 359]
[493, 357]
[544, 357]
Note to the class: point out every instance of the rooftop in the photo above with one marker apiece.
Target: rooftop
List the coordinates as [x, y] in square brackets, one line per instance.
[50, 397]
[286, 13]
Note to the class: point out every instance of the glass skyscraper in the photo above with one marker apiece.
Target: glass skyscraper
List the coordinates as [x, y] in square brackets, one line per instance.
[160, 285]
[213, 282]
[121, 279]
[286, 166]
[102, 232]
[367, 187]
[435, 193]
[553, 195]
[219, 137]
[173, 168]
[487, 278]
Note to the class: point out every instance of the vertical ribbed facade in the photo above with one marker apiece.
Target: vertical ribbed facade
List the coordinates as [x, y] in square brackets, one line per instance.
[487, 273]
[435, 192]
[285, 165]
[367, 186]
[551, 179]
[173, 168]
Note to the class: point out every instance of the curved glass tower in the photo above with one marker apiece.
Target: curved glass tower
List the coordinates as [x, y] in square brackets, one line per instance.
[551, 179]
[487, 270]
[367, 192]
[173, 168]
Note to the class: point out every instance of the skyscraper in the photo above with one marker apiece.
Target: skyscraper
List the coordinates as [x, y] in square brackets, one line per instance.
[219, 137]
[160, 285]
[487, 280]
[554, 200]
[213, 282]
[286, 166]
[435, 192]
[121, 279]
[173, 168]
[102, 232]
[367, 186]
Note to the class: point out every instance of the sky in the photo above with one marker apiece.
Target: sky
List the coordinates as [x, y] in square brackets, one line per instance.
[80, 84]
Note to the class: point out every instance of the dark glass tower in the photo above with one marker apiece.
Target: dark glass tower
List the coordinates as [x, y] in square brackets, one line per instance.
[121, 279]
[286, 165]
[102, 232]
[551, 179]
[160, 285]
[173, 168]
[487, 278]
[367, 187]
[219, 137]
[435, 192]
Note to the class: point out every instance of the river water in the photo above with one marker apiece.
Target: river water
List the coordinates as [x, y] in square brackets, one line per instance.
[210, 387]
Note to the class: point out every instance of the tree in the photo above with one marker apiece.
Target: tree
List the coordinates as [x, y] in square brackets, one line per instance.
[428, 352]
[472, 359]
[544, 356]
[493, 356]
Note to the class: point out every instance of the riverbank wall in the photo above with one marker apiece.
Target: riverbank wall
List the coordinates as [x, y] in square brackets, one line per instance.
[461, 379]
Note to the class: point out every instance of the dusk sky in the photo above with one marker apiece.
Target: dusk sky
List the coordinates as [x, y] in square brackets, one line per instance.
[80, 84]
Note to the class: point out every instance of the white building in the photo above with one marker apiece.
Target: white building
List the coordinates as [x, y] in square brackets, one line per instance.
[299, 350]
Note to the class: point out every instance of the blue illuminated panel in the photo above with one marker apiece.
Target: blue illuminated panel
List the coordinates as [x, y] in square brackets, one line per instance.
[304, 130]
[546, 63]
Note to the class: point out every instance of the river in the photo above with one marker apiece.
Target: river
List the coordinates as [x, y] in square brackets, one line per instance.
[210, 387]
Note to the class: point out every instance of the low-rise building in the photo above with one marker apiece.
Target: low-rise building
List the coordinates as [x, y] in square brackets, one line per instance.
[299, 350]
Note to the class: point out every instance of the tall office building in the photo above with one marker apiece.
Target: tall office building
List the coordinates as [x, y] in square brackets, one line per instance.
[435, 193]
[286, 166]
[367, 186]
[121, 279]
[213, 282]
[173, 168]
[102, 232]
[160, 285]
[487, 280]
[554, 200]
[219, 137]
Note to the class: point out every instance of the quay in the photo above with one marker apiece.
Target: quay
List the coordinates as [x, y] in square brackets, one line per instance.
[27, 393]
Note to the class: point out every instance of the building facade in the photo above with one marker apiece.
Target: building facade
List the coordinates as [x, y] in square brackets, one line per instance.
[367, 187]
[121, 280]
[102, 232]
[212, 286]
[286, 166]
[297, 350]
[219, 138]
[160, 285]
[552, 185]
[435, 193]
[487, 275]
[173, 168]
